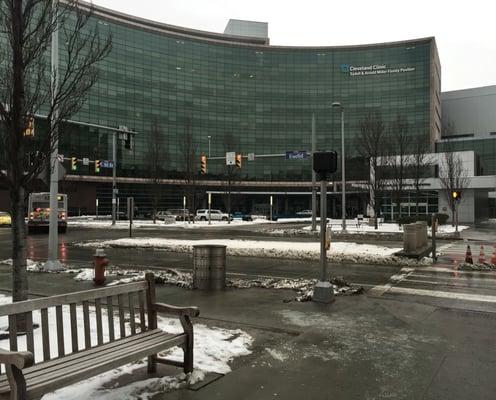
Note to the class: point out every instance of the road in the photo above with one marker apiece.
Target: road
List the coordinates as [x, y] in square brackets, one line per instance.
[440, 285]
[37, 249]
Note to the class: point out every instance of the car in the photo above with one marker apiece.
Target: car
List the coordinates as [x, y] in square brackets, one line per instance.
[178, 213]
[164, 216]
[242, 216]
[304, 213]
[215, 215]
[5, 219]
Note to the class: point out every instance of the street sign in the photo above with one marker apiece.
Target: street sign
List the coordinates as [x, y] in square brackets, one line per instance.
[106, 164]
[296, 155]
[231, 158]
[251, 156]
[86, 161]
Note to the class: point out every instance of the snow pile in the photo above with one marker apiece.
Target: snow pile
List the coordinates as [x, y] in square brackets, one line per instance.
[215, 348]
[353, 229]
[32, 266]
[303, 287]
[476, 266]
[340, 252]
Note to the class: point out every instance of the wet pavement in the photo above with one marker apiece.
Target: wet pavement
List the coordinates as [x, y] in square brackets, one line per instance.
[424, 333]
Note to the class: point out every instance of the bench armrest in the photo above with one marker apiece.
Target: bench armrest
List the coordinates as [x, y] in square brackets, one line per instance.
[20, 359]
[167, 308]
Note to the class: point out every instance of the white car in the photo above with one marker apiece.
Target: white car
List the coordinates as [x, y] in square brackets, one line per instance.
[215, 215]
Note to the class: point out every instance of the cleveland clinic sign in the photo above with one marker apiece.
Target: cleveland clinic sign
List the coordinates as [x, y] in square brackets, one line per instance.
[373, 69]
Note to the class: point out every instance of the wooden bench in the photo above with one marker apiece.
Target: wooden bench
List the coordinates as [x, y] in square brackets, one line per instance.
[131, 334]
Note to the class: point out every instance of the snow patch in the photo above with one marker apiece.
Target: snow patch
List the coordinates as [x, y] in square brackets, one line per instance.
[340, 252]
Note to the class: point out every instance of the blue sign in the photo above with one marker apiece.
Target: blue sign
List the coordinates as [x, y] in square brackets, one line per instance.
[106, 164]
[296, 155]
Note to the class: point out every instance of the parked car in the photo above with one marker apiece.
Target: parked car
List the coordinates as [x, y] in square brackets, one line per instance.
[215, 215]
[5, 219]
[164, 216]
[304, 213]
[179, 214]
[242, 216]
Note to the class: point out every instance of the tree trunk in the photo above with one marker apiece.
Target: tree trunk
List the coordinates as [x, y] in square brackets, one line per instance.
[19, 273]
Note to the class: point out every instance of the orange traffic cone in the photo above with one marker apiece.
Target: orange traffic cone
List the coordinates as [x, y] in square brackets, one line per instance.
[482, 257]
[493, 258]
[468, 256]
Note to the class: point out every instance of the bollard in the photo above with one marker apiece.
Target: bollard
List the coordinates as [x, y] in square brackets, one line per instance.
[100, 261]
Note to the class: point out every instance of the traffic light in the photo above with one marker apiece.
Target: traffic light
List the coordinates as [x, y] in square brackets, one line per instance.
[238, 160]
[29, 130]
[127, 142]
[73, 163]
[456, 195]
[203, 164]
[97, 166]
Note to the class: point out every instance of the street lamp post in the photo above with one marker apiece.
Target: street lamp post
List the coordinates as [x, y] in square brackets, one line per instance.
[343, 174]
[209, 137]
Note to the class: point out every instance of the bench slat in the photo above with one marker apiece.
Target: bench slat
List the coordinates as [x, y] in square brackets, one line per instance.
[74, 330]
[122, 326]
[132, 322]
[54, 369]
[78, 297]
[45, 334]
[60, 330]
[86, 323]
[59, 363]
[110, 316]
[98, 312]
[141, 299]
[29, 332]
[95, 365]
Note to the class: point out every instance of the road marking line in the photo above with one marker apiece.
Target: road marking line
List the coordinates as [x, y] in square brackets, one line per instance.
[379, 290]
[483, 298]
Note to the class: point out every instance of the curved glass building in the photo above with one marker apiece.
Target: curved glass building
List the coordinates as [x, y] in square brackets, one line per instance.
[188, 92]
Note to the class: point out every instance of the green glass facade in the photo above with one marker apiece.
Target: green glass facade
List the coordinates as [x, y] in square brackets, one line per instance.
[248, 97]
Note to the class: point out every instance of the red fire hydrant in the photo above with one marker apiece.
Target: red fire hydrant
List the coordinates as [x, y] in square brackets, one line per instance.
[100, 261]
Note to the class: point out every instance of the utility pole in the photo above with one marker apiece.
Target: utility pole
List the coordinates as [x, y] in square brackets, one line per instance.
[314, 179]
[324, 163]
[53, 263]
[114, 170]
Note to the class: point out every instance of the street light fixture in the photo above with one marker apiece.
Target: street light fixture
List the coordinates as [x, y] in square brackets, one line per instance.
[343, 179]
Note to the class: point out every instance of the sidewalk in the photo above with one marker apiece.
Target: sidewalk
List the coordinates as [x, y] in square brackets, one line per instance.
[356, 348]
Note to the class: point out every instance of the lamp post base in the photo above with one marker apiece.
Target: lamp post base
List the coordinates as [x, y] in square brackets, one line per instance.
[323, 292]
[53, 266]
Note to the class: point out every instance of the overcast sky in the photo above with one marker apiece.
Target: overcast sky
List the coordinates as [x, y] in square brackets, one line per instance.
[465, 31]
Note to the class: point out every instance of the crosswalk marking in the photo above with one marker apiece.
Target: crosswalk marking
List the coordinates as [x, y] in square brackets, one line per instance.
[437, 293]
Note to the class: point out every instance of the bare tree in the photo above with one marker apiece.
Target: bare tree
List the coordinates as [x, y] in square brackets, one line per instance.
[190, 161]
[156, 165]
[453, 177]
[399, 159]
[371, 147]
[26, 89]
[419, 167]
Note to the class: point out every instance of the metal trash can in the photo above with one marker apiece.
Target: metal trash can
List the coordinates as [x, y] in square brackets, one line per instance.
[209, 267]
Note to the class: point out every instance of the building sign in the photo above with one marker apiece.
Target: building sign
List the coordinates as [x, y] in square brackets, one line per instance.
[296, 155]
[106, 164]
[373, 69]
